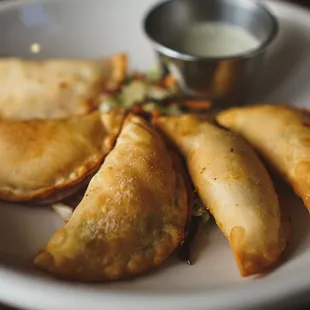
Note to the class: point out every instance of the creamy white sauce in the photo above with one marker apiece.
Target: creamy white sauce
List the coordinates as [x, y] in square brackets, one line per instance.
[216, 39]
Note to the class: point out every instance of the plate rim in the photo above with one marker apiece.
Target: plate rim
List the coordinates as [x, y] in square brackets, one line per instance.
[12, 282]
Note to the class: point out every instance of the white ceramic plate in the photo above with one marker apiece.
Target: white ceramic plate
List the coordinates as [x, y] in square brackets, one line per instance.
[95, 28]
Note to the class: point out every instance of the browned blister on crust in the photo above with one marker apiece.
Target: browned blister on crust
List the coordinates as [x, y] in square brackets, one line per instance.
[281, 135]
[234, 186]
[131, 218]
[56, 88]
[46, 160]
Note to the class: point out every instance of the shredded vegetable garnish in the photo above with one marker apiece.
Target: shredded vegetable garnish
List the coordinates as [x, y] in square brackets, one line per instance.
[155, 74]
[200, 218]
[152, 91]
[133, 93]
[63, 210]
[197, 105]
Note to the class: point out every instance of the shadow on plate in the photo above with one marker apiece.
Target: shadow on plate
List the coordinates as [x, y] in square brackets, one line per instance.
[296, 218]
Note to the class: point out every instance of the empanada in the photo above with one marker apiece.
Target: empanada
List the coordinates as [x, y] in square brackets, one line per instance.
[132, 216]
[234, 186]
[46, 160]
[281, 135]
[55, 88]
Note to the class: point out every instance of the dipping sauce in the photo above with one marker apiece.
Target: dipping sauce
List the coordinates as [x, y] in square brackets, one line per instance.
[217, 39]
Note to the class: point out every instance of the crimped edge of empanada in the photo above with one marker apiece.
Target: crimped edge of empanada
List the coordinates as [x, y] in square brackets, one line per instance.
[71, 183]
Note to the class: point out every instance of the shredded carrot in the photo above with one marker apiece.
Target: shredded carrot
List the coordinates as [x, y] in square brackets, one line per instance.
[138, 76]
[155, 114]
[169, 81]
[137, 109]
[198, 104]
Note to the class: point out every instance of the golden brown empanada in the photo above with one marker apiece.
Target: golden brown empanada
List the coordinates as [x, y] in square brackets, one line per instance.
[55, 88]
[46, 160]
[234, 186]
[132, 216]
[281, 135]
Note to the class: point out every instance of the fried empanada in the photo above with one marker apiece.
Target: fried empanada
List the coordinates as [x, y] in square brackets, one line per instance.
[235, 187]
[132, 216]
[46, 160]
[281, 135]
[57, 88]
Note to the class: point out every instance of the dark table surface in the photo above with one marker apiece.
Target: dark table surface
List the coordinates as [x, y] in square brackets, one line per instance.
[306, 306]
[303, 2]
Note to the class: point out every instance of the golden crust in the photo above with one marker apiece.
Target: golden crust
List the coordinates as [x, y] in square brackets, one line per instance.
[281, 134]
[57, 88]
[234, 186]
[131, 218]
[44, 161]
[118, 70]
